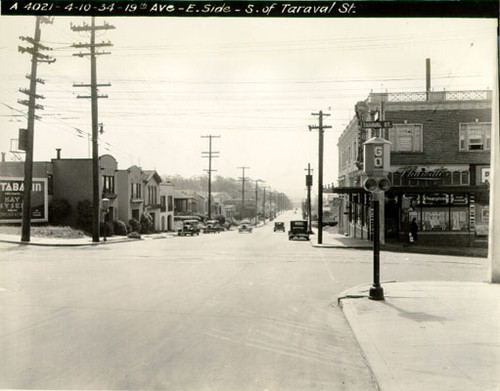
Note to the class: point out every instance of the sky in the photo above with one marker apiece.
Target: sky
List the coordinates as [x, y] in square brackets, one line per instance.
[255, 82]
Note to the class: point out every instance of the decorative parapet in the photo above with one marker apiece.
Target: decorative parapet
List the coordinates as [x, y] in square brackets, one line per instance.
[432, 96]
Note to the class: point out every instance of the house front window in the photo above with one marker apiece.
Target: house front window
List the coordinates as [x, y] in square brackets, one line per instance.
[152, 195]
[406, 138]
[475, 136]
[135, 191]
[108, 184]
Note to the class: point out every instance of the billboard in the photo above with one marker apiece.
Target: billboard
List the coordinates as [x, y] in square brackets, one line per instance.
[11, 200]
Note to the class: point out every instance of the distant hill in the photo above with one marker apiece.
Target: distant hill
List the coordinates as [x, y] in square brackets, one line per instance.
[220, 184]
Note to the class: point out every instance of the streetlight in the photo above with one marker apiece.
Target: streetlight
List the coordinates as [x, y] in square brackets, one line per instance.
[105, 210]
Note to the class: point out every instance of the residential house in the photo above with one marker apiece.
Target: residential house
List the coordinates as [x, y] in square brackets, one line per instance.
[166, 206]
[152, 205]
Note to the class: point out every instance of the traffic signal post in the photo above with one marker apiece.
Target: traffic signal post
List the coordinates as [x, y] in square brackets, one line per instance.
[376, 162]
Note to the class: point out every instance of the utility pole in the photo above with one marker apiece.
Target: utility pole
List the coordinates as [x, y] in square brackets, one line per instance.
[309, 183]
[321, 128]
[94, 96]
[242, 179]
[256, 199]
[210, 155]
[26, 136]
[264, 202]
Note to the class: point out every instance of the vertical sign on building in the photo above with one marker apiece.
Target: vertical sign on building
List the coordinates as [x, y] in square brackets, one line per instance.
[472, 213]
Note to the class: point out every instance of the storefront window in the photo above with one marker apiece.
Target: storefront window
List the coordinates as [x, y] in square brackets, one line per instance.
[435, 219]
[459, 221]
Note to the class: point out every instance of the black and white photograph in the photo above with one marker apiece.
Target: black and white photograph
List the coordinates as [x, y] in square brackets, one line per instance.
[268, 196]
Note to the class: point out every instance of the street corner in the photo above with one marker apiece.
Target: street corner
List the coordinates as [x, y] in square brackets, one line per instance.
[356, 292]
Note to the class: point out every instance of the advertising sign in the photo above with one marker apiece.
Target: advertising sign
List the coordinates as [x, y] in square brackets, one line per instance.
[435, 199]
[11, 200]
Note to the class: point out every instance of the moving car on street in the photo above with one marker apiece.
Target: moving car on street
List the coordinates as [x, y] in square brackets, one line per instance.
[189, 227]
[298, 230]
[245, 226]
[212, 226]
[279, 226]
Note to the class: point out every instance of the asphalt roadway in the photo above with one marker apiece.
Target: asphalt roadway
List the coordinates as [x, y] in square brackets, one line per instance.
[222, 311]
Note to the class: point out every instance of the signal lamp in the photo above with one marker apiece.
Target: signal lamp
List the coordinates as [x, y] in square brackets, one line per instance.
[370, 184]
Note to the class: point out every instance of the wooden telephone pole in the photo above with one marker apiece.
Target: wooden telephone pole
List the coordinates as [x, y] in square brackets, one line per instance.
[243, 179]
[210, 155]
[94, 96]
[321, 129]
[26, 136]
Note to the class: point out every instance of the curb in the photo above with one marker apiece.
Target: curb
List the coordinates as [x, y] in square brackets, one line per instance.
[359, 246]
[66, 244]
[381, 372]
[462, 251]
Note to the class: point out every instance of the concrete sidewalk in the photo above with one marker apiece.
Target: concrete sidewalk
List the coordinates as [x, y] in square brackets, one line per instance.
[432, 335]
[336, 240]
[84, 241]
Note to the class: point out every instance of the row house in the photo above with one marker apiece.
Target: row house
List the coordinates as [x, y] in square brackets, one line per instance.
[167, 206]
[440, 166]
[152, 181]
[130, 192]
[189, 203]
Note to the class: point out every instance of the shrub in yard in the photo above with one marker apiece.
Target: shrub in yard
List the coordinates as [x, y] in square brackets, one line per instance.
[135, 226]
[59, 211]
[120, 228]
[146, 223]
[129, 227]
[84, 215]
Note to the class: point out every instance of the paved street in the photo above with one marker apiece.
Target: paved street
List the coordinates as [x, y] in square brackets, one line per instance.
[222, 311]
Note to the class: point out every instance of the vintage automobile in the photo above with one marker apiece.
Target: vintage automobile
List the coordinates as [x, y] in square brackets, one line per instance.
[212, 226]
[298, 230]
[279, 226]
[245, 226]
[189, 227]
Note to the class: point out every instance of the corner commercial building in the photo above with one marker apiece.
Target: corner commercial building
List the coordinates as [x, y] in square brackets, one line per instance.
[440, 166]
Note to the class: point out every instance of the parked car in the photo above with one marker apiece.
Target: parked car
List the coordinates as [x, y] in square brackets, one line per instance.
[279, 226]
[245, 226]
[298, 230]
[212, 226]
[189, 227]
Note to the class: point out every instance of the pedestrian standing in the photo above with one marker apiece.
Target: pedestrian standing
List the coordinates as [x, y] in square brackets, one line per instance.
[414, 230]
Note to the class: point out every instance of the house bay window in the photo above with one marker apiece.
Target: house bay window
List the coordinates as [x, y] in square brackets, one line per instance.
[475, 136]
[406, 138]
